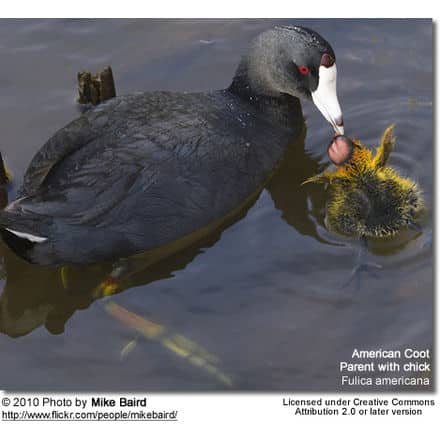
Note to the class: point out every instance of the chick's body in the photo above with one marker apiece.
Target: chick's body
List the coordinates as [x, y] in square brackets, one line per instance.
[367, 198]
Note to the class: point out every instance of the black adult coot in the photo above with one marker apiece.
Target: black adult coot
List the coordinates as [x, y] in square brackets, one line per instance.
[144, 170]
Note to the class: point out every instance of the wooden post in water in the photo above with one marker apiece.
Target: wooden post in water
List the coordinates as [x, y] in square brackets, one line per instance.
[94, 89]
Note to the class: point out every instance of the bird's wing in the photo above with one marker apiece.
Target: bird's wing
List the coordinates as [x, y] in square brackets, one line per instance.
[63, 143]
[113, 117]
[141, 191]
[118, 170]
[161, 168]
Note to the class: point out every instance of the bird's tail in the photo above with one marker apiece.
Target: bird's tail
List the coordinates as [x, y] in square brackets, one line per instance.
[22, 225]
[18, 229]
[21, 232]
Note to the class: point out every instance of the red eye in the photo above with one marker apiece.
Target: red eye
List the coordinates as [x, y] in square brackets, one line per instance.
[304, 70]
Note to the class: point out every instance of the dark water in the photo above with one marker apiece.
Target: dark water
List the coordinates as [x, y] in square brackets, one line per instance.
[258, 304]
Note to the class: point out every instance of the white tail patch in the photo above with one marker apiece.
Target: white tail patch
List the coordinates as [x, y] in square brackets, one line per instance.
[26, 236]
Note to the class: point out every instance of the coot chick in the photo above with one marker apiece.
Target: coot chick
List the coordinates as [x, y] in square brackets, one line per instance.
[144, 170]
[368, 198]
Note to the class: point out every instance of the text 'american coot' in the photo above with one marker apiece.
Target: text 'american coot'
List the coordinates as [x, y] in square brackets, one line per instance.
[144, 170]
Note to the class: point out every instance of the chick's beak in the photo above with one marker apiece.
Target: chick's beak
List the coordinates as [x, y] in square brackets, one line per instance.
[326, 99]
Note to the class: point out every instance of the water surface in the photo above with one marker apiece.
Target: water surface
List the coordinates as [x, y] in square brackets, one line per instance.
[260, 299]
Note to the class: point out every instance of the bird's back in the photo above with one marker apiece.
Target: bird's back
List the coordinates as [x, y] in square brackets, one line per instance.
[146, 169]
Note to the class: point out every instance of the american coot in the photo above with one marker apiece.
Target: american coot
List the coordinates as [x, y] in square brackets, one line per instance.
[144, 170]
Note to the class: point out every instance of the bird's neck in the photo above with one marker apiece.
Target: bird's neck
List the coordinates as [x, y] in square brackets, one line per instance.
[249, 87]
[249, 81]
